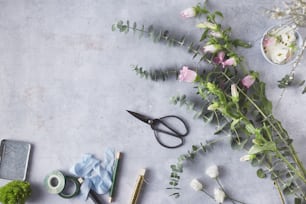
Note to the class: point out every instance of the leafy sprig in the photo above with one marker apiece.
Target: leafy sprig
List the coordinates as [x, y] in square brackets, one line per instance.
[157, 36]
[177, 169]
[156, 74]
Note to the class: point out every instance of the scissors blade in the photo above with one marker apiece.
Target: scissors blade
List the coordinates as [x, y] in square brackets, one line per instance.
[139, 116]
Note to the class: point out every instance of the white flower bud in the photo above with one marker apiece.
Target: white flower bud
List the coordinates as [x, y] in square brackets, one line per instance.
[219, 195]
[212, 107]
[207, 25]
[188, 13]
[196, 185]
[247, 157]
[212, 171]
[216, 34]
[235, 93]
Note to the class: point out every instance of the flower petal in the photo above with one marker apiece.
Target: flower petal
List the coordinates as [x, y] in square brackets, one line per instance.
[219, 58]
[230, 62]
[248, 81]
[187, 75]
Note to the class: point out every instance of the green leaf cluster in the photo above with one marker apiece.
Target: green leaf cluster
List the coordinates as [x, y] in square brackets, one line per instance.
[15, 192]
[157, 36]
[156, 75]
[178, 168]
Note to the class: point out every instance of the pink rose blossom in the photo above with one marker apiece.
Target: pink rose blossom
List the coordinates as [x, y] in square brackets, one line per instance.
[188, 13]
[248, 81]
[187, 75]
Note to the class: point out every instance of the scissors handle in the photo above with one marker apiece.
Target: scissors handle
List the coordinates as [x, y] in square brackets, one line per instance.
[161, 126]
[180, 143]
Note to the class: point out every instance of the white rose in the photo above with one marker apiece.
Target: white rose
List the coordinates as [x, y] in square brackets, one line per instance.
[288, 38]
[278, 53]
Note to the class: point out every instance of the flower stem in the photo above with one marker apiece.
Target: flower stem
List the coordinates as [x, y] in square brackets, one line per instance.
[291, 148]
[208, 194]
[232, 199]
[279, 191]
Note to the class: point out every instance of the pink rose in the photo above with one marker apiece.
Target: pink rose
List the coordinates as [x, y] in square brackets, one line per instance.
[187, 75]
[248, 81]
[188, 13]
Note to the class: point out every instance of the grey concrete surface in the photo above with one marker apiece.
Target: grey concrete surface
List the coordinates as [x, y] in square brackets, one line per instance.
[66, 81]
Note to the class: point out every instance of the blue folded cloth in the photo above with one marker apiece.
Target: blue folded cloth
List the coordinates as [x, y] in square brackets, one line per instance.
[97, 175]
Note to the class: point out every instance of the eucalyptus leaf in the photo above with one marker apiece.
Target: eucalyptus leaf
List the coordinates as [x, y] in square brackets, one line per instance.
[261, 174]
[297, 200]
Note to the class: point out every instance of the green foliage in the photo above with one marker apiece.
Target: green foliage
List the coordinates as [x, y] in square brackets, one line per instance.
[157, 36]
[15, 192]
[261, 173]
[285, 81]
[177, 169]
[155, 75]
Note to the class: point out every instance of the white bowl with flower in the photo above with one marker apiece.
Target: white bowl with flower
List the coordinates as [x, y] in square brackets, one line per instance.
[281, 44]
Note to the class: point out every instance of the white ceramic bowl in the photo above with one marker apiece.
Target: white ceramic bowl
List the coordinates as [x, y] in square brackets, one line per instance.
[294, 53]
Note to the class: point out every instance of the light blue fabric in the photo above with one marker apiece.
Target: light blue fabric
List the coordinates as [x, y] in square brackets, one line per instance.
[97, 175]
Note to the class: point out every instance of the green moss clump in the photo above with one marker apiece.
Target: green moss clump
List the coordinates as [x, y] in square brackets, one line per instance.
[15, 192]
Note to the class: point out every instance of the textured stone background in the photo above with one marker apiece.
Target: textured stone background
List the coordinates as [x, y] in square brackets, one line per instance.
[66, 81]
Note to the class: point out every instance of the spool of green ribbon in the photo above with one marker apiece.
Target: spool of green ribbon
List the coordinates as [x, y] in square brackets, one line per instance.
[65, 186]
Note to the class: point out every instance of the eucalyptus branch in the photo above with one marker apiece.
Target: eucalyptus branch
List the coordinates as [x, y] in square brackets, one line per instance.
[157, 36]
[177, 168]
[155, 75]
[279, 191]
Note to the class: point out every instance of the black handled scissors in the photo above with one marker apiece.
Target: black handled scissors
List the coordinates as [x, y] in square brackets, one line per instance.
[164, 126]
